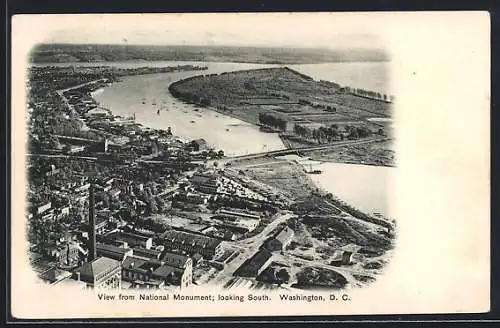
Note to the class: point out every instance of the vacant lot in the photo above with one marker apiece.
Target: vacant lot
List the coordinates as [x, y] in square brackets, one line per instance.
[375, 153]
[287, 177]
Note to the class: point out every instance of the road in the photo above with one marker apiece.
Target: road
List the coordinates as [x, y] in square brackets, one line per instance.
[247, 249]
[62, 91]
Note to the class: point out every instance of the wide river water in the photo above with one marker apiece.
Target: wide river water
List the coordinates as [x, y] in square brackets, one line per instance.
[365, 187]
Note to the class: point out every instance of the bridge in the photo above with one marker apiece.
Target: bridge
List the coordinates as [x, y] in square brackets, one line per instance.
[300, 150]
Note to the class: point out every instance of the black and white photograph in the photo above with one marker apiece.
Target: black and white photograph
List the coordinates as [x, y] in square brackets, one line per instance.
[225, 159]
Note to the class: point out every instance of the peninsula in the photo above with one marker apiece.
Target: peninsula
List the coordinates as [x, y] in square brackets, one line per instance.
[306, 113]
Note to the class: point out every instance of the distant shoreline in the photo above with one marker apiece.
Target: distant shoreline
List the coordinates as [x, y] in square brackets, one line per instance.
[214, 60]
[60, 52]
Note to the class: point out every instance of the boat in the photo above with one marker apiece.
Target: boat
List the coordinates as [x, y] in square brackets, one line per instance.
[315, 172]
[311, 171]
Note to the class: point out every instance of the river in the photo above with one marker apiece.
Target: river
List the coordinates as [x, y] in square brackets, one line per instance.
[364, 187]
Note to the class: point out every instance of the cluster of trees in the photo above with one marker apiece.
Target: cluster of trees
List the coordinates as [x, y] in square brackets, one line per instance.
[272, 120]
[320, 277]
[155, 223]
[274, 276]
[325, 134]
[241, 203]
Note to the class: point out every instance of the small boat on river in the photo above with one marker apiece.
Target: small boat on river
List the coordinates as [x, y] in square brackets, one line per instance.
[311, 171]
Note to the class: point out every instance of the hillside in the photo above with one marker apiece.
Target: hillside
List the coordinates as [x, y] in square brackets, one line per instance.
[45, 53]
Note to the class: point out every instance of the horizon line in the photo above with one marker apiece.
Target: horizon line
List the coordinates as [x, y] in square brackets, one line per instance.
[212, 45]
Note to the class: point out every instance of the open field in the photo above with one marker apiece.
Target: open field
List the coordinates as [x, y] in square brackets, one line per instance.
[376, 153]
[287, 177]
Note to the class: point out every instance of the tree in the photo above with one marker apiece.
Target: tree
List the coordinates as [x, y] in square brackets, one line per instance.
[282, 276]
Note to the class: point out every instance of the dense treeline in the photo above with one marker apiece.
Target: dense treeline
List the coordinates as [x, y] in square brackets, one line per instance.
[368, 94]
[188, 96]
[325, 134]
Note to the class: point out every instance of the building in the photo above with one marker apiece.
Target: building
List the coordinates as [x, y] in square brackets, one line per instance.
[147, 253]
[346, 258]
[114, 193]
[255, 265]
[239, 223]
[197, 199]
[133, 240]
[73, 149]
[280, 241]
[113, 252]
[82, 188]
[240, 219]
[198, 145]
[207, 183]
[191, 243]
[154, 273]
[44, 207]
[177, 260]
[238, 214]
[102, 272]
[70, 255]
[101, 225]
[174, 276]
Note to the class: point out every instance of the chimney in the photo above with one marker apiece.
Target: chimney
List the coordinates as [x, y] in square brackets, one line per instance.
[78, 276]
[92, 237]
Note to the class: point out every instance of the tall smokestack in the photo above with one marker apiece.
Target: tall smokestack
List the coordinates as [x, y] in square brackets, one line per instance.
[92, 236]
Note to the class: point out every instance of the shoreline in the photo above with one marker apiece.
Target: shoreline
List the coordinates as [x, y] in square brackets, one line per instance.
[116, 79]
[104, 62]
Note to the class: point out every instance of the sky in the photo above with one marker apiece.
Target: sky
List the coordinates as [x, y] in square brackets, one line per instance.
[310, 30]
